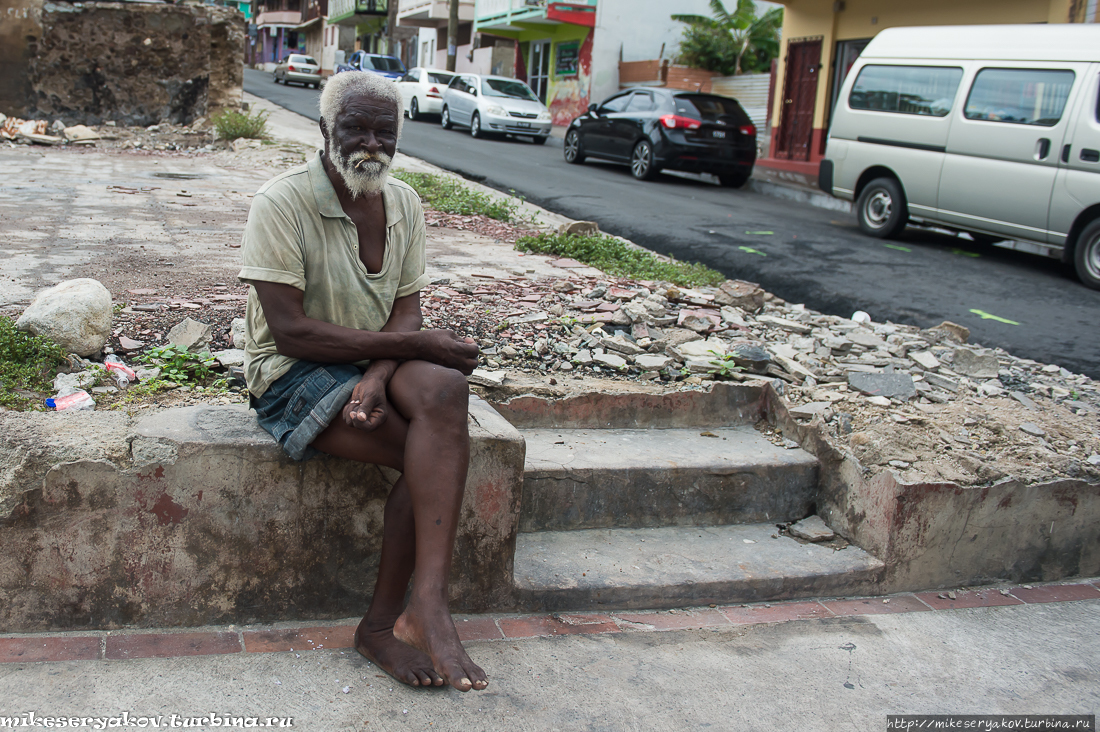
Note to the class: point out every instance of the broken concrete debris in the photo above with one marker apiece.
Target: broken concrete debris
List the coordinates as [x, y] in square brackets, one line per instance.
[812, 528]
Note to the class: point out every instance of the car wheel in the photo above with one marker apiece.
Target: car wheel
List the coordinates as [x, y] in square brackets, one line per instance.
[881, 209]
[641, 161]
[475, 126]
[734, 180]
[1086, 255]
[414, 110]
[574, 150]
[445, 118]
[275, 78]
[316, 85]
[539, 139]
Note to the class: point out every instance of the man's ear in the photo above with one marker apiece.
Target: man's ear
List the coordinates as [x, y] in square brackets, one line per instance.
[324, 129]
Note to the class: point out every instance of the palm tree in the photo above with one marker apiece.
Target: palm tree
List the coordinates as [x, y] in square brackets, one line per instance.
[746, 31]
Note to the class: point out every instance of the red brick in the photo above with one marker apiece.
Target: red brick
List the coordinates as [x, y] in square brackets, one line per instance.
[1055, 593]
[170, 645]
[777, 613]
[672, 621]
[545, 625]
[970, 598]
[474, 629]
[31, 650]
[299, 639]
[876, 606]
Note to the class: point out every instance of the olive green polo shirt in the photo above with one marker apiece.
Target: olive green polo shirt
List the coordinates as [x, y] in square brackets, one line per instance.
[297, 234]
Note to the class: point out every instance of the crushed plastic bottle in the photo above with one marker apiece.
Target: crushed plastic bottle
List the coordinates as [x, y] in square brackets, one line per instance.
[860, 317]
[122, 374]
[71, 399]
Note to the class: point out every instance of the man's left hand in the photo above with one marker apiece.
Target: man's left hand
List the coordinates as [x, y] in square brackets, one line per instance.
[367, 409]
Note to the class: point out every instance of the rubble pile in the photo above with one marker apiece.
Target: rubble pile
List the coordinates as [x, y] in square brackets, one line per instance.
[924, 403]
[161, 137]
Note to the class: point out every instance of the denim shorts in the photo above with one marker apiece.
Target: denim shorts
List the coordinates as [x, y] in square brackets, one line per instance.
[303, 402]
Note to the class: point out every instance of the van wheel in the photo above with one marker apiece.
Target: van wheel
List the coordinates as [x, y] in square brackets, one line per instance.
[1086, 255]
[881, 208]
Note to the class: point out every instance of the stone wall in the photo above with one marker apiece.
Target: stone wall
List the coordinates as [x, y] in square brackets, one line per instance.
[135, 64]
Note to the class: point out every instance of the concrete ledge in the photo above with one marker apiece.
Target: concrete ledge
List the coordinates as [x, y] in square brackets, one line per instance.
[943, 535]
[194, 516]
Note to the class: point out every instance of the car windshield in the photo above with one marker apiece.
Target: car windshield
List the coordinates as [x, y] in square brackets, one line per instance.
[440, 78]
[507, 88]
[382, 63]
[709, 108]
[302, 60]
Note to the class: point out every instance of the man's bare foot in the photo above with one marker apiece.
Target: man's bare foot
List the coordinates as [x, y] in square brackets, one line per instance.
[434, 633]
[376, 642]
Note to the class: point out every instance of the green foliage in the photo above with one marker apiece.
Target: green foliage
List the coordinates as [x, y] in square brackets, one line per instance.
[723, 365]
[614, 257]
[27, 363]
[232, 125]
[731, 43]
[449, 196]
[178, 365]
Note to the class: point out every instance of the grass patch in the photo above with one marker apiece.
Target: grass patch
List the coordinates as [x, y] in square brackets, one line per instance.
[616, 258]
[27, 364]
[178, 365]
[232, 125]
[449, 196]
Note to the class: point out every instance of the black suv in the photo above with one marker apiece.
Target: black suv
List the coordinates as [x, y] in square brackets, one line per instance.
[655, 129]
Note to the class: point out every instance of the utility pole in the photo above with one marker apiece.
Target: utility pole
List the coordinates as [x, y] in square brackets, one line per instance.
[391, 28]
[452, 36]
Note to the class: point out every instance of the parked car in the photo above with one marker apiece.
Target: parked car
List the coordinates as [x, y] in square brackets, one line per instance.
[989, 130]
[299, 68]
[658, 129]
[422, 91]
[387, 66]
[494, 104]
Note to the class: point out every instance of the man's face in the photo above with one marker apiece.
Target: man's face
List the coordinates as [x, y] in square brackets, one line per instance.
[361, 143]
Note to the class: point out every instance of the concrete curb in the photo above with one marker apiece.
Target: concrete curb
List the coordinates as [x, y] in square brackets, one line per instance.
[302, 637]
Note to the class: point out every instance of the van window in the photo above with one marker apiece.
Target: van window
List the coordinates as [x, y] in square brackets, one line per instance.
[1019, 96]
[927, 90]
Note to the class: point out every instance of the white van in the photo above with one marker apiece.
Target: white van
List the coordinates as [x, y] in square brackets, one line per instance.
[991, 130]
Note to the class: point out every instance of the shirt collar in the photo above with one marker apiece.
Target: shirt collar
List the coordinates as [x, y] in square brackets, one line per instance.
[328, 204]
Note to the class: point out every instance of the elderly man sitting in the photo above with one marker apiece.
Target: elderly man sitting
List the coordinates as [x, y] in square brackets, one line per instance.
[336, 362]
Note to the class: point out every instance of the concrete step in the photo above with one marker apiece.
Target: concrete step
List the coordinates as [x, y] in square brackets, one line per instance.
[681, 566]
[603, 478]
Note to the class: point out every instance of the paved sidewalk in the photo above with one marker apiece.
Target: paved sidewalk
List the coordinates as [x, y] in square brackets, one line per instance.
[813, 665]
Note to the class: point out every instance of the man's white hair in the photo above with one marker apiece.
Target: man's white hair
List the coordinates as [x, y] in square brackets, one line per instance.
[347, 84]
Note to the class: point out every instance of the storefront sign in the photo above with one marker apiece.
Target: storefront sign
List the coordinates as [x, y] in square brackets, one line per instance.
[565, 63]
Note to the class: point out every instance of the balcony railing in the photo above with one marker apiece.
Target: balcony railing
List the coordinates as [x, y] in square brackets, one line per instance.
[503, 11]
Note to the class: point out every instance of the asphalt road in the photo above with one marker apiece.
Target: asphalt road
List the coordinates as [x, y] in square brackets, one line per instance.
[801, 253]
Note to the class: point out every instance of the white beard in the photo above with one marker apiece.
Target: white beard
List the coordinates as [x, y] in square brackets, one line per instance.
[361, 172]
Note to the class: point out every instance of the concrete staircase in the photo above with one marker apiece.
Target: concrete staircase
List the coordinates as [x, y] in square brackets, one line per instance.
[668, 513]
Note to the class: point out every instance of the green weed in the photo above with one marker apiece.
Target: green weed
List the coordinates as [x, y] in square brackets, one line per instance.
[723, 364]
[616, 258]
[178, 365]
[449, 196]
[232, 125]
[27, 364]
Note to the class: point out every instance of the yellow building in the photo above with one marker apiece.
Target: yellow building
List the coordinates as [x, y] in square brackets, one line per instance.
[822, 39]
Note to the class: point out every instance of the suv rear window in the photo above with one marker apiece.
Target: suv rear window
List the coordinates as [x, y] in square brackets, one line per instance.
[302, 60]
[709, 108]
[382, 63]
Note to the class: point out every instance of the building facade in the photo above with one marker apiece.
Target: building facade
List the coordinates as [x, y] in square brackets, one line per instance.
[569, 52]
[823, 38]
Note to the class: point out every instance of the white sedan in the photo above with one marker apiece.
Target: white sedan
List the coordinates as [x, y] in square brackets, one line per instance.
[422, 91]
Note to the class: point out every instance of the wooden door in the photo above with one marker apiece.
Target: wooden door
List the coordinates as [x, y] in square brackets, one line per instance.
[799, 96]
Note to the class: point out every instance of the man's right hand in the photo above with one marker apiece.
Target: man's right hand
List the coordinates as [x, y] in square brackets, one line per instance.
[447, 348]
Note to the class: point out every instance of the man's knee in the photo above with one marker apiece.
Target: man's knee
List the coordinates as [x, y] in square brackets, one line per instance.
[431, 389]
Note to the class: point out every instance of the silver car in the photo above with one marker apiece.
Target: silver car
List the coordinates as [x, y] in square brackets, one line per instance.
[494, 105]
[300, 68]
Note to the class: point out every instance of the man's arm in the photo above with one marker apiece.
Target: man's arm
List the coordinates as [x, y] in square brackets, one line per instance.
[302, 337]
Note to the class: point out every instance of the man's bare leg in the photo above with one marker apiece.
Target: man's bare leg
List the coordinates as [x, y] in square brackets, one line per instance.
[436, 452]
[374, 637]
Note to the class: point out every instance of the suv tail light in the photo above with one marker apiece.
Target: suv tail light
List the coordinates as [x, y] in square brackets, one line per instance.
[748, 129]
[674, 121]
